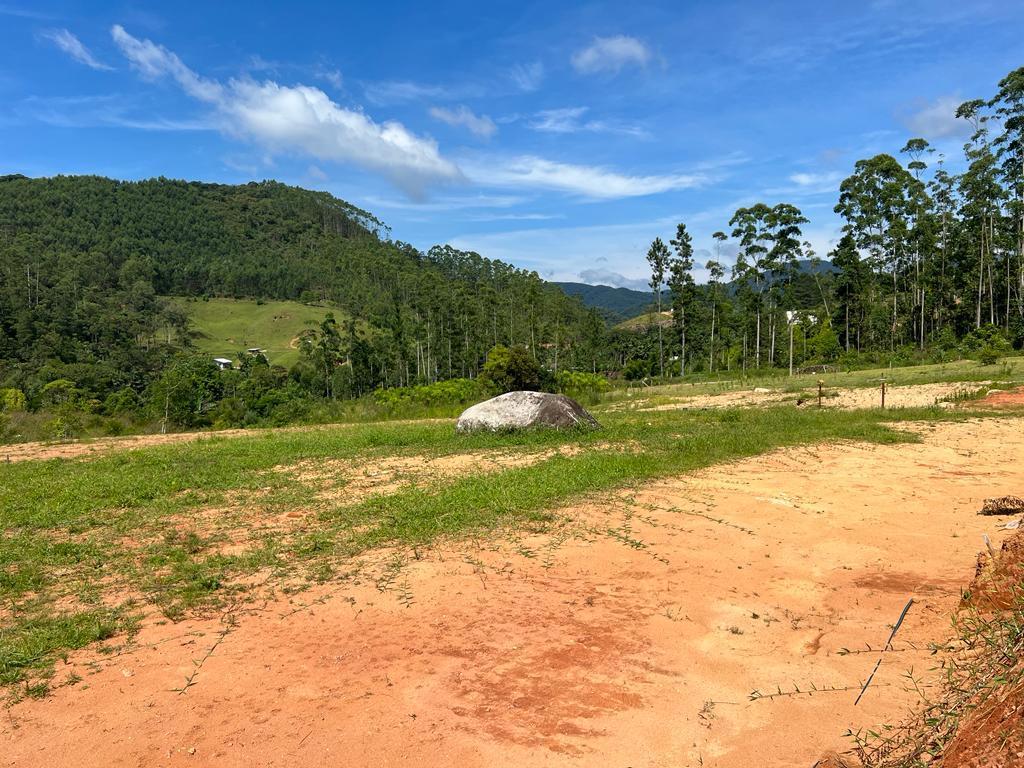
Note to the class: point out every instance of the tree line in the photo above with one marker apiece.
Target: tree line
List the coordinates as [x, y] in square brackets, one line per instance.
[931, 262]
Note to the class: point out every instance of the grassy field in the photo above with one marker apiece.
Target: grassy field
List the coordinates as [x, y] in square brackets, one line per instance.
[224, 327]
[646, 320]
[90, 546]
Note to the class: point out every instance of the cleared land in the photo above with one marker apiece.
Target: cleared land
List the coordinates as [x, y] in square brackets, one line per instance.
[224, 327]
[670, 604]
[384, 594]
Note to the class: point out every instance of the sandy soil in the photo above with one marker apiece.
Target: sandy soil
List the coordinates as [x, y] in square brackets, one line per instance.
[630, 636]
[1013, 398]
[910, 396]
[354, 481]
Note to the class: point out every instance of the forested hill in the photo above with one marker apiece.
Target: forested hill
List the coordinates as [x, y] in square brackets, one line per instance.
[85, 261]
[613, 303]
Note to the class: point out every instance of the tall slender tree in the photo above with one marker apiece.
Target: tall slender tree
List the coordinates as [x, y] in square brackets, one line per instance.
[681, 284]
[658, 257]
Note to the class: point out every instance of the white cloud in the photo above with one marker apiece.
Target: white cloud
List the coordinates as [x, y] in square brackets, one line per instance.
[480, 125]
[610, 54]
[107, 110]
[621, 246]
[73, 47]
[937, 119]
[332, 76]
[589, 181]
[613, 279]
[402, 91]
[448, 203]
[567, 120]
[299, 119]
[815, 179]
[527, 77]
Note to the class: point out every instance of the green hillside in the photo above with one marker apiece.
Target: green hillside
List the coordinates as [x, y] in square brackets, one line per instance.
[224, 327]
[86, 263]
[642, 322]
[613, 303]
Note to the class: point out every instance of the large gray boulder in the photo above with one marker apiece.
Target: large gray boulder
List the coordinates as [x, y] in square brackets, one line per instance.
[522, 410]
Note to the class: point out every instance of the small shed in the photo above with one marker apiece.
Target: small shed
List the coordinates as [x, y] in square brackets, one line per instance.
[223, 363]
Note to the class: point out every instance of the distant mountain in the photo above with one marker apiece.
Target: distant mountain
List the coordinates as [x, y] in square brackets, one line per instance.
[618, 304]
[613, 303]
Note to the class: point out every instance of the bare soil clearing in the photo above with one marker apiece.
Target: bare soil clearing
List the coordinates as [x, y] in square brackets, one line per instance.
[352, 482]
[1011, 399]
[632, 634]
[909, 396]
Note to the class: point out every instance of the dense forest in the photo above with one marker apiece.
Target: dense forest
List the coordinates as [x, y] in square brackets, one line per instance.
[930, 266]
[85, 262]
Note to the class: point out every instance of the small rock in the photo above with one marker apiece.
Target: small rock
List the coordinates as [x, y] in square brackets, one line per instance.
[761, 390]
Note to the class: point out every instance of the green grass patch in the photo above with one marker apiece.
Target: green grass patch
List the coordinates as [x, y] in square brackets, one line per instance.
[223, 327]
[152, 524]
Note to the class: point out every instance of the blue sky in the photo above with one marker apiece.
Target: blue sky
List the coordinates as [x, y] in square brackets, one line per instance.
[560, 137]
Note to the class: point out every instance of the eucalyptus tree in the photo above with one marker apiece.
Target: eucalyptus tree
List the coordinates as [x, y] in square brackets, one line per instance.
[658, 258]
[878, 202]
[943, 190]
[916, 149]
[1008, 105]
[750, 226]
[784, 221]
[852, 280]
[715, 274]
[681, 285]
[981, 195]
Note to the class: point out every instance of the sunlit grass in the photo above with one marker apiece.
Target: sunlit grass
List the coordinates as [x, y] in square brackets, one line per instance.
[133, 529]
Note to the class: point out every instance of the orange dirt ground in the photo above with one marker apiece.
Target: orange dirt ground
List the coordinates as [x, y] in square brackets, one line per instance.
[630, 636]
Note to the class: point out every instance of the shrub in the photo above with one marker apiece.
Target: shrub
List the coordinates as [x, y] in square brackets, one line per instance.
[635, 370]
[509, 369]
[579, 384]
[986, 345]
[824, 345]
[450, 392]
[12, 400]
[59, 392]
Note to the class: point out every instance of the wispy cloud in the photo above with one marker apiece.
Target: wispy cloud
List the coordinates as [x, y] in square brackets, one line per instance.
[620, 248]
[569, 120]
[815, 179]
[613, 279]
[300, 119]
[73, 47]
[448, 203]
[937, 119]
[112, 110]
[391, 92]
[588, 181]
[331, 76]
[24, 13]
[479, 125]
[610, 55]
[527, 77]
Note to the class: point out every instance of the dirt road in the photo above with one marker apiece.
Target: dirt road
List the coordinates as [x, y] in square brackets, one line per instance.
[631, 636]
